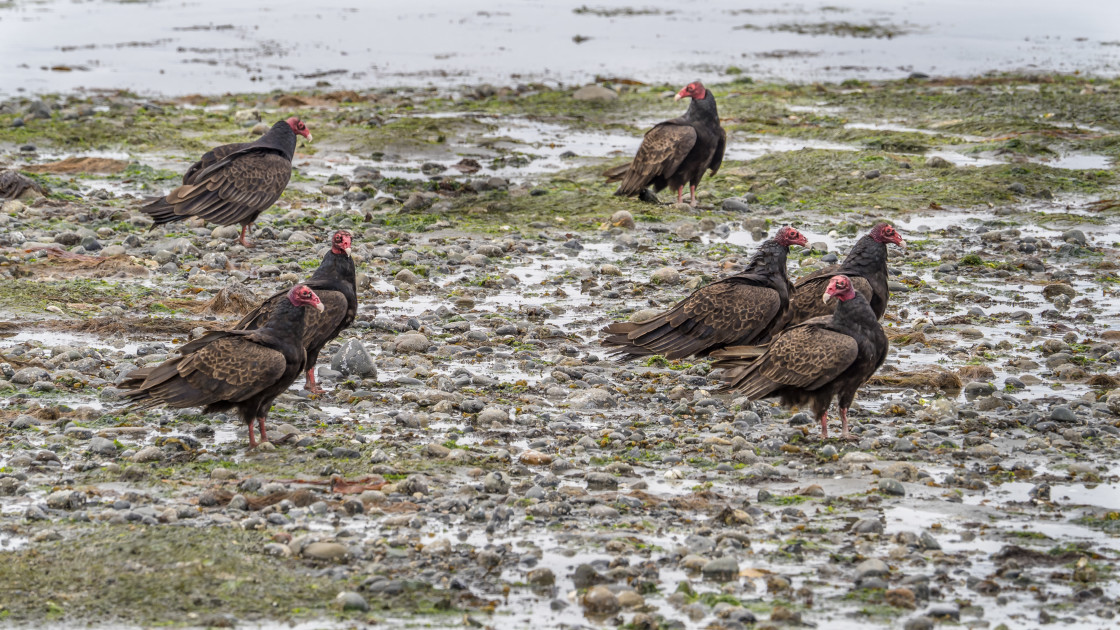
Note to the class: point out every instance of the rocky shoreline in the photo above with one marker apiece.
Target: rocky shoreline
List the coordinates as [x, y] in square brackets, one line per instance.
[477, 459]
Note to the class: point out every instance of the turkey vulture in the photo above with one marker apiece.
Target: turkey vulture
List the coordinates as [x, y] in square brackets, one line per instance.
[744, 308]
[866, 265]
[232, 369]
[233, 183]
[334, 283]
[814, 361]
[678, 151]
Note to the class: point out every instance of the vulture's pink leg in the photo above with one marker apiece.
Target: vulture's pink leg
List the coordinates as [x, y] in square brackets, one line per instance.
[244, 228]
[692, 189]
[252, 440]
[824, 425]
[264, 436]
[680, 193]
[312, 386]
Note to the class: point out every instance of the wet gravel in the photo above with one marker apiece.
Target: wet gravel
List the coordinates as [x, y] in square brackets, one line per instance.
[476, 443]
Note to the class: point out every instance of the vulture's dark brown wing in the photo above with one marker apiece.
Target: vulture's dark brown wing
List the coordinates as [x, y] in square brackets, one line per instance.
[663, 150]
[257, 317]
[232, 192]
[212, 157]
[716, 315]
[806, 356]
[230, 368]
[806, 301]
[721, 146]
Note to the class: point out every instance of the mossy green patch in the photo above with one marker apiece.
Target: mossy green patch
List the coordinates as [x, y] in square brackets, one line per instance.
[28, 296]
[157, 575]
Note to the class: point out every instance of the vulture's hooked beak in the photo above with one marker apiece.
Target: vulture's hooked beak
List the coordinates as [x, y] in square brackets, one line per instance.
[319, 306]
[678, 97]
[347, 250]
[902, 244]
[309, 136]
[826, 297]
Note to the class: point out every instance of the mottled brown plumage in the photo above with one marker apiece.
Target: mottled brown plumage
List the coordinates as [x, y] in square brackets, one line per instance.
[865, 265]
[814, 361]
[237, 369]
[741, 309]
[335, 284]
[233, 183]
[678, 151]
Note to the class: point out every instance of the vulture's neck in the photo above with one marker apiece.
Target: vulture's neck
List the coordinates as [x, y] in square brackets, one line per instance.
[769, 259]
[703, 110]
[854, 313]
[280, 138]
[285, 324]
[867, 256]
[334, 267]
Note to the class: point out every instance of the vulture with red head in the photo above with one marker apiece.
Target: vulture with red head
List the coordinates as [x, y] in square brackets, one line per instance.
[243, 370]
[335, 284]
[865, 265]
[813, 362]
[744, 308]
[676, 152]
[234, 183]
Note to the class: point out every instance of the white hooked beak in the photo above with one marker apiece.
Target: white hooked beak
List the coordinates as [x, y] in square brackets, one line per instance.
[678, 97]
[826, 297]
[319, 307]
[347, 250]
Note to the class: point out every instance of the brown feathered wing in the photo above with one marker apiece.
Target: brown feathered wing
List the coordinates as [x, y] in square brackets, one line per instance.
[806, 300]
[806, 356]
[232, 190]
[663, 150]
[319, 328]
[224, 368]
[716, 315]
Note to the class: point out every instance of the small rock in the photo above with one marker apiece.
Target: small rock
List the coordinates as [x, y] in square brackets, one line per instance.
[721, 569]
[328, 551]
[66, 500]
[354, 360]
[1062, 413]
[349, 600]
[148, 454]
[599, 600]
[892, 487]
[665, 275]
[623, 219]
[595, 93]
[542, 576]
[735, 205]
[412, 342]
[493, 415]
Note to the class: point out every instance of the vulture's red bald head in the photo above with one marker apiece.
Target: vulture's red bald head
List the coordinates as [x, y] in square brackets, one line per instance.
[302, 295]
[340, 242]
[885, 233]
[788, 236]
[692, 90]
[299, 128]
[840, 287]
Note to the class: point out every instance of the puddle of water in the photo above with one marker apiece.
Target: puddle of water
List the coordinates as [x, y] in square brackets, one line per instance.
[50, 339]
[1080, 161]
